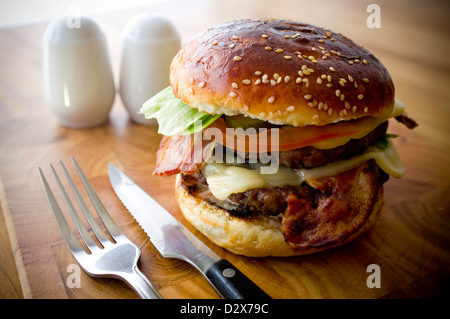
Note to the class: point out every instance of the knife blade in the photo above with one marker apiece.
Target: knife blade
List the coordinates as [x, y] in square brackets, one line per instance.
[173, 240]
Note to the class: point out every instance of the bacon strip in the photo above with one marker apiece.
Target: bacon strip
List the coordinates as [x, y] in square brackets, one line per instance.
[182, 153]
[346, 203]
[404, 119]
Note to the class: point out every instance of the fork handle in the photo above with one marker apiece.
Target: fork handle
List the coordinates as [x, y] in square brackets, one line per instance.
[141, 285]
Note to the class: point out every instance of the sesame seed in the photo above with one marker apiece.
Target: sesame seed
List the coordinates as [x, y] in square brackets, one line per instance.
[319, 81]
[287, 36]
[347, 105]
[365, 80]
[356, 60]
[330, 111]
[323, 76]
[365, 61]
[298, 80]
[232, 94]
[237, 58]
[235, 85]
[338, 93]
[268, 48]
[287, 57]
[360, 96]
[265, 77]
[235, 37]
[329, 78]
[265, 36]
[329, 85]
[333, 52]
[315, 117]
[265, 81]
[366, 110]
[291, 108]
[333, 39]
[325, 106]
[308, 96]
[310, 104]
[304, 67]
[271, 99]
[258, 73]
[306, 72]
[313, 48]
[258, 82]
[350, 62]
[276, 76]
[342, 97]
[232, 45]
[355, 85]
[246, 81]
[320, 106]
[279, 79]
[354, 108]
[287, 78]
[329, 34]
[273, 82]
[350, 78]
[332, 69]
[214, 42]
[201, 84]
[279, 50]
[341, 83]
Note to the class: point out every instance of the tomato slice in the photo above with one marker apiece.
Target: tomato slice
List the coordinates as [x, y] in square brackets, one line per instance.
[290, 138]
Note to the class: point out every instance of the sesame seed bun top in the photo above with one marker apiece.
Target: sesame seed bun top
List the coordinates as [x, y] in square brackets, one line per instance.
[281, 71]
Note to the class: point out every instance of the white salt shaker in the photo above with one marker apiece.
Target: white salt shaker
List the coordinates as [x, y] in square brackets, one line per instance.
[78, 79]
[149, 44]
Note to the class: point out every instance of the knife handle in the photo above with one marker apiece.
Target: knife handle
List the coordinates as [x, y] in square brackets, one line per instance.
[231, 283]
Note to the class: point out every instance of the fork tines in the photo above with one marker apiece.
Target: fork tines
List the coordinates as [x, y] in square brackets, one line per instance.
[68, 235]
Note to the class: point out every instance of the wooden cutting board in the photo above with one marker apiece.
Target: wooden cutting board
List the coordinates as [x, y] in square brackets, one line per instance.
[409, 243]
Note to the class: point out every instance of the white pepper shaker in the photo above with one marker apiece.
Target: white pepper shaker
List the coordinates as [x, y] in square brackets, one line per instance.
[78, 79]
[149, 44]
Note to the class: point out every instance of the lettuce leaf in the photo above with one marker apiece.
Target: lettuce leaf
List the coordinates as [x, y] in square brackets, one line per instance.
[174, 116]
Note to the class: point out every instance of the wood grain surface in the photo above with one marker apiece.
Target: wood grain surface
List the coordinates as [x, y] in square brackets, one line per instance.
[410, 242]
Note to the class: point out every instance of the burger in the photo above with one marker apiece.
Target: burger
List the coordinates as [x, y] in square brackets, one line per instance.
[277, 131]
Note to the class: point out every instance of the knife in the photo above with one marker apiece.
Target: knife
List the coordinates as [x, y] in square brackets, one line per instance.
[173, 240]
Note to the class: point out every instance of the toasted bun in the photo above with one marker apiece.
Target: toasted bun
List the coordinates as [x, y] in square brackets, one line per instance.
[281, 71]
[256, 237]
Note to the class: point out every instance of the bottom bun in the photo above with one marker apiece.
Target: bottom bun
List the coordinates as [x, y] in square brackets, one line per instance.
[259, 236]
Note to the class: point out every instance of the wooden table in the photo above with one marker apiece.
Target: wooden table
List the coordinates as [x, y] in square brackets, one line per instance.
[410, 242]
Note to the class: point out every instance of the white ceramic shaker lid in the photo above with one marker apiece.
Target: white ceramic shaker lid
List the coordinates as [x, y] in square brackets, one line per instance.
[150, 42]
[78, 80]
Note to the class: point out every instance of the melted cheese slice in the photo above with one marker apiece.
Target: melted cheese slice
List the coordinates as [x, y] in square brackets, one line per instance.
[224, 180]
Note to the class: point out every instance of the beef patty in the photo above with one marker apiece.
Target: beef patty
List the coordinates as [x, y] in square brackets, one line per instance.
[273, 201]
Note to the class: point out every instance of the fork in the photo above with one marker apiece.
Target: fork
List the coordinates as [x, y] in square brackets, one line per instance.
[116, 259]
